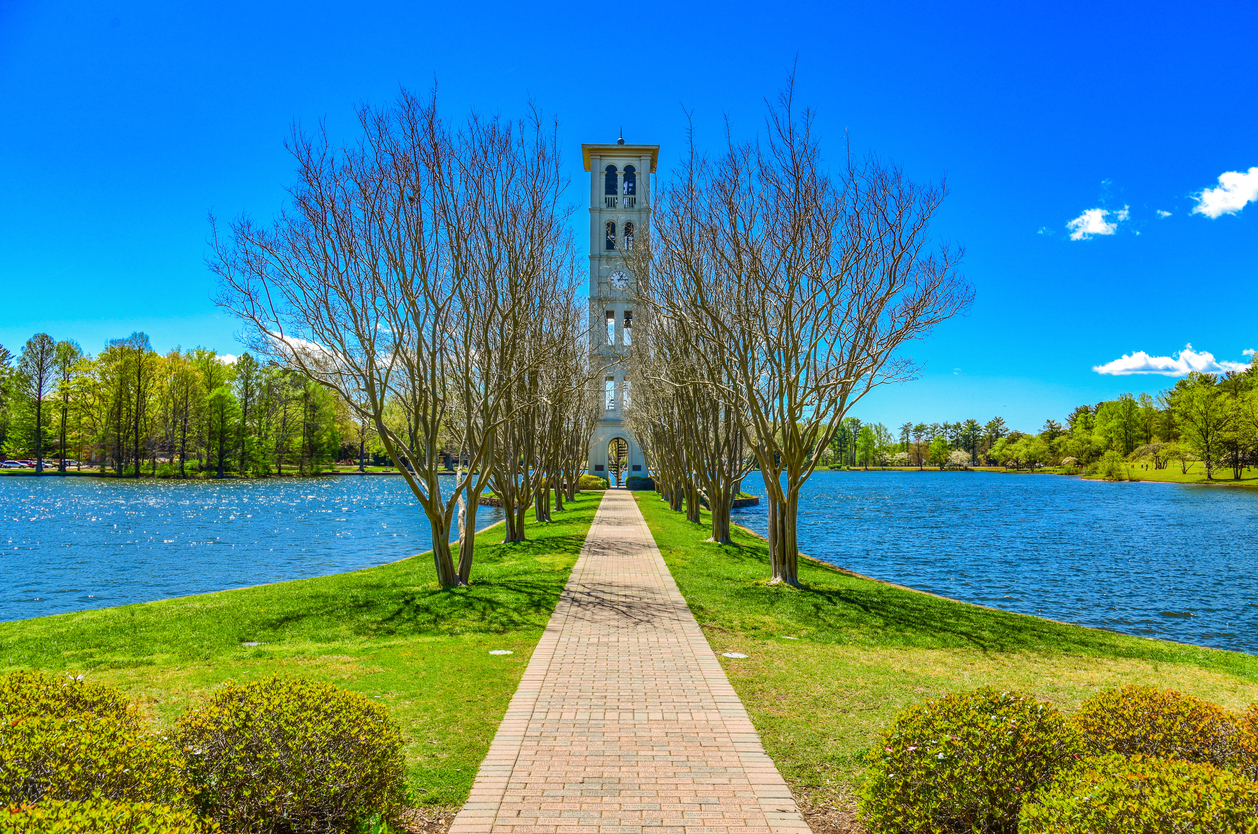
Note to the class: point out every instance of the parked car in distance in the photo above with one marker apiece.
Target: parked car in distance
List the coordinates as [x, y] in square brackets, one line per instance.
[13, 464]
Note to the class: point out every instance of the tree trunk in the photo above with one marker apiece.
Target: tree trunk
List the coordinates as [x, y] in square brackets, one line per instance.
[541, 502]
[39, 435]
[183, 443]
[723, 504]
[783, 546]
[467, 541]
[675, 497]
[694, 509]
[61, 465]
[442, 556]
[139, 412]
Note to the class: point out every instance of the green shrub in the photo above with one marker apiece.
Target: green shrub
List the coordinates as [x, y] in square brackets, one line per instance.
[292, 756]
[1168, 725]
[84, 756]
[1117, 794]
[592, 482]
[100, 817]
[965, 762]
[1113, 467]
[43, 694]
[639, 482]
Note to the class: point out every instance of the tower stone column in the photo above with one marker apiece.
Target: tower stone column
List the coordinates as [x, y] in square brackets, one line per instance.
[614, 288]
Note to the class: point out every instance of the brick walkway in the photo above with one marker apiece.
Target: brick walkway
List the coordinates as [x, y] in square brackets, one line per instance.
[624, 721]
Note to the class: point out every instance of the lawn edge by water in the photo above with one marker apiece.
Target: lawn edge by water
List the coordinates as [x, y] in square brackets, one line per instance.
[831, 664]
[387, 632]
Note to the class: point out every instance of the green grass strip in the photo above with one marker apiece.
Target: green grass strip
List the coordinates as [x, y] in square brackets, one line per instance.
[864, 650]
[388, 632]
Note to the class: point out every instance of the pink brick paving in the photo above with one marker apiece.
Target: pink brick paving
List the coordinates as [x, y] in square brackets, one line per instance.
[625, 722]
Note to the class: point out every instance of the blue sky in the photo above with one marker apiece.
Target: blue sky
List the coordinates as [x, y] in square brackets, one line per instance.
[126, 124]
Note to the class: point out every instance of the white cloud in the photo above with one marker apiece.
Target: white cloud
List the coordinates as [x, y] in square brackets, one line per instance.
[1234, 191]
[227, 358]
[1247, 352]
[1093, 223]
[1180, 364]
[1163, 214]
[1044, 231]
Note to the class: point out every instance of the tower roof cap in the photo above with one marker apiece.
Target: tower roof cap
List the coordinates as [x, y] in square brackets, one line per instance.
[622, 151]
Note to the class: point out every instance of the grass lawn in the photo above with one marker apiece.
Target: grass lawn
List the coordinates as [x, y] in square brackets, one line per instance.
[864, 650]
[1196, 474]
[388, 632]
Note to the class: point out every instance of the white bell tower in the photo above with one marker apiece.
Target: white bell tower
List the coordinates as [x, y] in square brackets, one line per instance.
[621, 179]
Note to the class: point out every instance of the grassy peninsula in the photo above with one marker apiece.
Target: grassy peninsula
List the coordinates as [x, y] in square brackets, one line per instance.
[829, 665]
[388, 632]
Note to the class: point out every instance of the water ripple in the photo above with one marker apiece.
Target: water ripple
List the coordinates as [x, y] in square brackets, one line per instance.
[1159, 560]
[69, 544]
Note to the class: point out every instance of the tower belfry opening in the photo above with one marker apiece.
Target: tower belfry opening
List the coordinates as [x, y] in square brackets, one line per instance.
[622, 177]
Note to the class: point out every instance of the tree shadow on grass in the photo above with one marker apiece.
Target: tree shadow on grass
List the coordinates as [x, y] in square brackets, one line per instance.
[727, 586]
[513, 587]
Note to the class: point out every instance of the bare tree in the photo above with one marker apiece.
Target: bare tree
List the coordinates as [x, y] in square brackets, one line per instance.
[804, 286]
[409, 276]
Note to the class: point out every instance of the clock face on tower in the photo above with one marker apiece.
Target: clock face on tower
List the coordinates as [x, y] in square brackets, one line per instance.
[619, 280]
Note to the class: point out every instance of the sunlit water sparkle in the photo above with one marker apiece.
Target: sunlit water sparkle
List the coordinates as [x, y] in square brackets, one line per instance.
[69, 544]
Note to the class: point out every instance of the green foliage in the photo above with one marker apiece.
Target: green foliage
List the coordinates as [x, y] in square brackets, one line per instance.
[939, 452]
[637, 482]
[1166, 724]
[84, 756]
[1139, 795]
[592, 482]
[33, 693]
[63, 738]
[101, 817]
[292, 756]
[965, 762]
[1113, 467]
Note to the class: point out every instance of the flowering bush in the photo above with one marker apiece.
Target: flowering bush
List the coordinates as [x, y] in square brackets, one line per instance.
[100, 817]
[1136, 794]
[85, 756]
[965, 762]
[35, 693]
[292, 756]
[1167, 724]
[62, 738]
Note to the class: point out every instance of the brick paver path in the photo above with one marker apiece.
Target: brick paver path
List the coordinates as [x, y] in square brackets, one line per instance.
[624, 721]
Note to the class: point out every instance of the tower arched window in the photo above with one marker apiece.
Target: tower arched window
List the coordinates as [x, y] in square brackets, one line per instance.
[611, 234]
[631, 186]
[628, 234]
[609, 180]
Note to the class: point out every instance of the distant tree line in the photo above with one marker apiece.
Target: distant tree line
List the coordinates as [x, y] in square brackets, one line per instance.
[133, 411]
[1206, 418]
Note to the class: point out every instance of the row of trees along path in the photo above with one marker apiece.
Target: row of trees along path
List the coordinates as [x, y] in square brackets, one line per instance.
[427, 275]
[779, 295]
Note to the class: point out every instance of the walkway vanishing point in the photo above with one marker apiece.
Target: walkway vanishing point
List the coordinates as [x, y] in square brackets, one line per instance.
[625, 722]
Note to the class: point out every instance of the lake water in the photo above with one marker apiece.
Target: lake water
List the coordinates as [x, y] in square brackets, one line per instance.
[69, 544]
[1158, 560]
